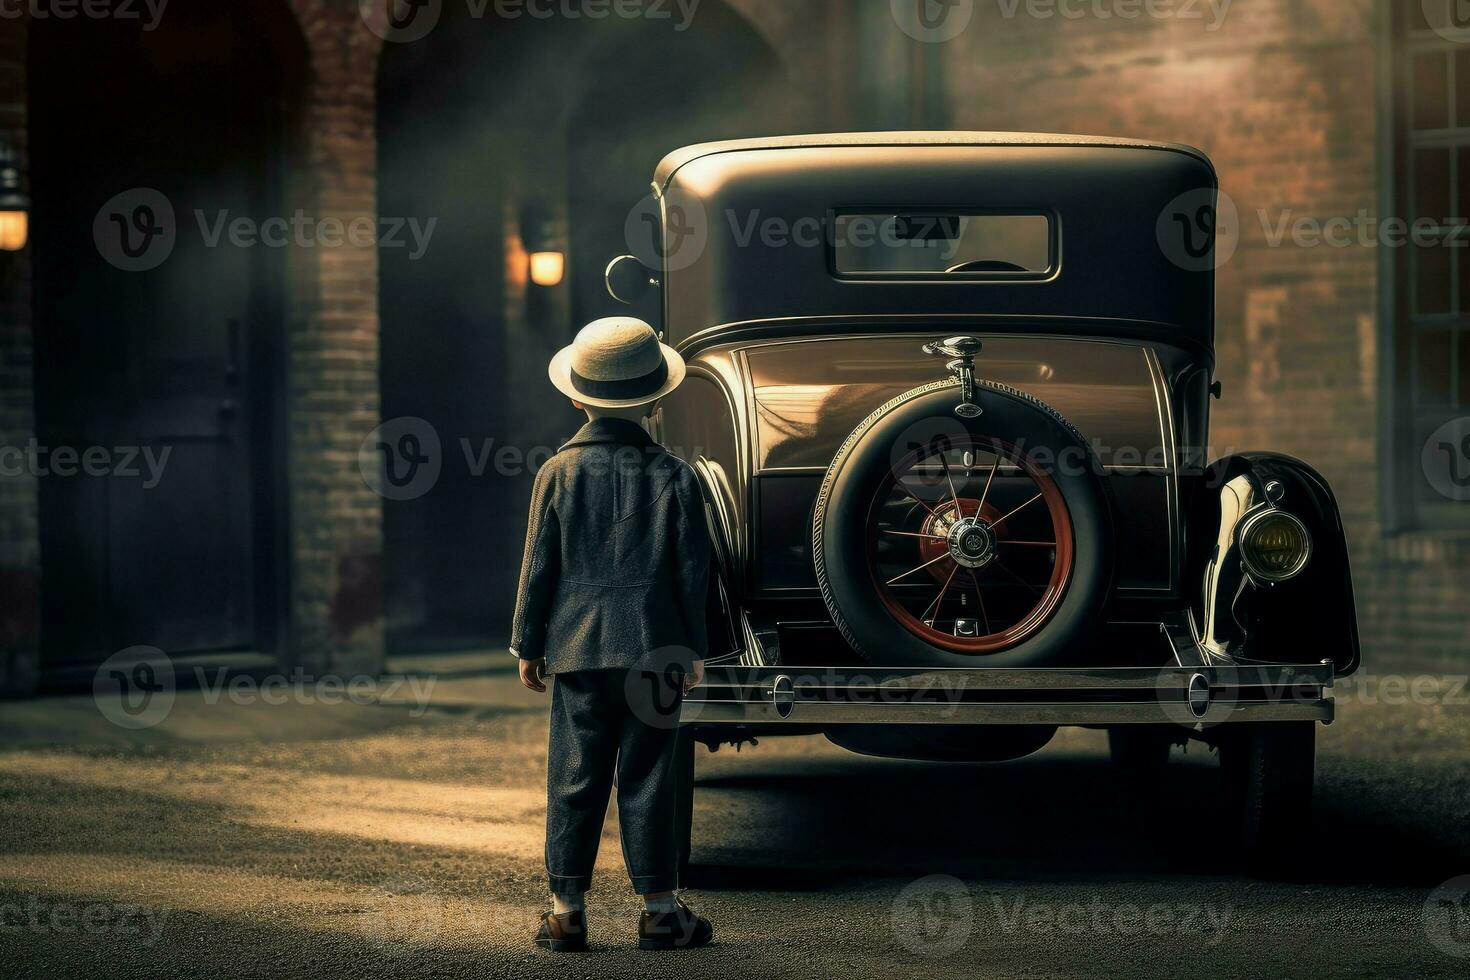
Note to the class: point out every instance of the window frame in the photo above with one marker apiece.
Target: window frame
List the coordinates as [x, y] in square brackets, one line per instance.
[1400, 508]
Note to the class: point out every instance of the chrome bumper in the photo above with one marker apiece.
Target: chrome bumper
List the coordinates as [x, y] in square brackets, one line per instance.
[1192, 696]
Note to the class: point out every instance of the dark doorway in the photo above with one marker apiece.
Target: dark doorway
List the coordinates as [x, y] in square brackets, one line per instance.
[163, 364]
[485, 121]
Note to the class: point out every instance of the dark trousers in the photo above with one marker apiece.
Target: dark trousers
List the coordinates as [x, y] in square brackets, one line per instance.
[606, 721]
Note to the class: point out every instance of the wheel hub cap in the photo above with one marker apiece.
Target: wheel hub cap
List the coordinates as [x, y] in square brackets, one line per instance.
[971, 542]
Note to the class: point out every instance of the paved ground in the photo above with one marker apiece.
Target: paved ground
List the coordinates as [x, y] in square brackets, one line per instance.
[383, 840]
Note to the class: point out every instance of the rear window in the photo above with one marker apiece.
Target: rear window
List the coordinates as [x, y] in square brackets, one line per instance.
[927, 244]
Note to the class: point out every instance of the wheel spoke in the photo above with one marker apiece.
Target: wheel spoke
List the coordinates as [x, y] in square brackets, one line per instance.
[984, 616]
[919, 569]
[953, 493]
[985, 494]
[1028, 544]
[939, 599]
[1002, 566]
[913, 534]
[898, 482]
[1017, 510]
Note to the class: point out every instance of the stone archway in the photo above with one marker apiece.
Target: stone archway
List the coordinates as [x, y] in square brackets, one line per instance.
[493, 126]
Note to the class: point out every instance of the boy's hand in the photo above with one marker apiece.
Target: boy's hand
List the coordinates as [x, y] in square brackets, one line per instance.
[695, 677]
[531, 673]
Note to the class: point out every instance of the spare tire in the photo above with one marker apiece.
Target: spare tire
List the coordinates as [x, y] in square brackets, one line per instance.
[942, 540]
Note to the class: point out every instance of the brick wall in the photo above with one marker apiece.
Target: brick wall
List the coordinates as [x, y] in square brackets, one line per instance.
[336, 534]
[1281, 95]
[19, 529]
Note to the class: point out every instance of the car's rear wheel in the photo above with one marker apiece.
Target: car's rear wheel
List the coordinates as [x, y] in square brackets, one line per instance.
[1267, 771]
[947, 540]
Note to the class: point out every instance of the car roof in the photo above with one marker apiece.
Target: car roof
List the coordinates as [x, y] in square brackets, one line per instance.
[1115, 209]
[678, 158]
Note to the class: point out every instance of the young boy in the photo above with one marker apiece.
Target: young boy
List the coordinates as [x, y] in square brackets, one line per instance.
[612, 606]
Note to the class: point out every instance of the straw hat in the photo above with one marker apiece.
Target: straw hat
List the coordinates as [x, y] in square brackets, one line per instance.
[617, 362]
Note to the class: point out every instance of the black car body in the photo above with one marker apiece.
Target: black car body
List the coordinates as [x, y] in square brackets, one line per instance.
[985, 358]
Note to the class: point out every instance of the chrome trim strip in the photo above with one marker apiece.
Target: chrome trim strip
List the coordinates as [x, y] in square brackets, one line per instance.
[822, 470]
[1164, 401]
[808, 713]
[1043, 679]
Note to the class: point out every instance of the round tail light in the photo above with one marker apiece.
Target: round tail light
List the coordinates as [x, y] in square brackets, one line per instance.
[1275, 546]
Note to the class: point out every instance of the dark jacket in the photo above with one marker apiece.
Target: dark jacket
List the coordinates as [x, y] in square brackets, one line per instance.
[616, 569]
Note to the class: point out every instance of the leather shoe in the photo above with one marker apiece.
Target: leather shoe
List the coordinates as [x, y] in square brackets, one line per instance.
[679, 929]
[563, 933]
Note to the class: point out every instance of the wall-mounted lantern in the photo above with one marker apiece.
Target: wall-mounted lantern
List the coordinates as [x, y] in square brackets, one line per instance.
[548, 268]
[545, 248]
[15, 206]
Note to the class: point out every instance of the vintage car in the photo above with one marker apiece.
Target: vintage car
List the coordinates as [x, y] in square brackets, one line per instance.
[949, 398]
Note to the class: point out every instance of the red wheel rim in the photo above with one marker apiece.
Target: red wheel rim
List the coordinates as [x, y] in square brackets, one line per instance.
[924, 521]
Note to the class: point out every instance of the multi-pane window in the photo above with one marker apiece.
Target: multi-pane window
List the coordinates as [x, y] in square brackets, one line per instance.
[1430, 284]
